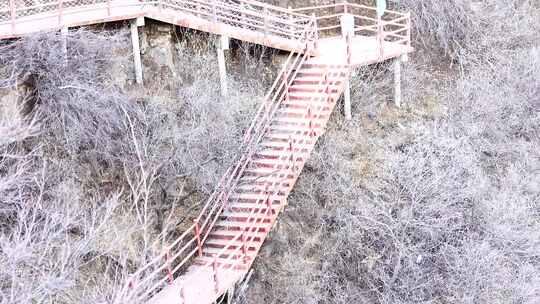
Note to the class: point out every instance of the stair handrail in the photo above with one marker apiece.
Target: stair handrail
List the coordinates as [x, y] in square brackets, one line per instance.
[252, 226]
[214, 206]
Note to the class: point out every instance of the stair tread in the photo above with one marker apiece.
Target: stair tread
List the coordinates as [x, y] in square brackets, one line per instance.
[274, 143]
[254, 196]
[305, 112]
[233, 233]
[238, 242]
[258, 225]
[238, 205]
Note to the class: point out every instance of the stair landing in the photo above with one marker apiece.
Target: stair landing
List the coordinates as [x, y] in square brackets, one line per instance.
[196, 286]
[366, 50]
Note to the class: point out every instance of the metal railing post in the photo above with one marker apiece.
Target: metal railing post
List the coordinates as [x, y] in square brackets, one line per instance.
[292, 29]
[347, 31]
[214, 13]
[349, 49]
[291, 158]
[244, 246]
[265, 12]
[198, 8]
[408, 29]
[60, 9]
[380, 37]
[243, 14]
[316, 29]
[169, 269]
[109, 7]
[327, 89]
[13, 13]
[214, 268]
[286, 82]
[268, 203]
[198, 237]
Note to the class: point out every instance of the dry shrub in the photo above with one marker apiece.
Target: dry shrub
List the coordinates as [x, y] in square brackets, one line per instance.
[89, 176]
[449, 212]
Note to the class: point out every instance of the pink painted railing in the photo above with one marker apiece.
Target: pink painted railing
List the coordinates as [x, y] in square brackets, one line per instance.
[394, 26]
[156, 274]
[177, 254]
[254, 220]
[246, 14]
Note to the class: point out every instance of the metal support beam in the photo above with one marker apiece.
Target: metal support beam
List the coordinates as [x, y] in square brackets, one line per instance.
[230, 295]
[13, 14]
[137, 48]
[347, 31]
[347, 100]
[397, 79]
[64, 33]
[223, 45]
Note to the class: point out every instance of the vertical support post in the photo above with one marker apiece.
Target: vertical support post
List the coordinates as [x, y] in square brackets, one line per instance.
[198, 237]
[108, 7]
[230, 295]
[397, 79]
[64, 33]
[347, 30]
[380, 37]
[347, 98]
[137, 50]
[408, 29]
[223, 45]
[13, 13]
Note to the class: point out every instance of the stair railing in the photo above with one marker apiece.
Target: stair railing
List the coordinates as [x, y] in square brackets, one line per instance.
[180, 251]
[236, 249]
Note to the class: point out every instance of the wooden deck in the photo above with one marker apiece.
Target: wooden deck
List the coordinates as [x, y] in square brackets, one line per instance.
[365, 49]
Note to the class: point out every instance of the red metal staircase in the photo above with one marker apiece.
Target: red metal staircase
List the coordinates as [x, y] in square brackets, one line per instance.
[261, 191]
[219, 248]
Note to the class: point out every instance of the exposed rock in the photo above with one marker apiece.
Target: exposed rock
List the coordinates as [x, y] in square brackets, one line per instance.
[157, 48]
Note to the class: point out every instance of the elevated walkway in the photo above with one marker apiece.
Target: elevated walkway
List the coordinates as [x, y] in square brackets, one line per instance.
[325, 44]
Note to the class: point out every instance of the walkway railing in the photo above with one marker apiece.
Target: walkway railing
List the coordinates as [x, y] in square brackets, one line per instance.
[242, 14]
[394, 26]
[179, 253]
